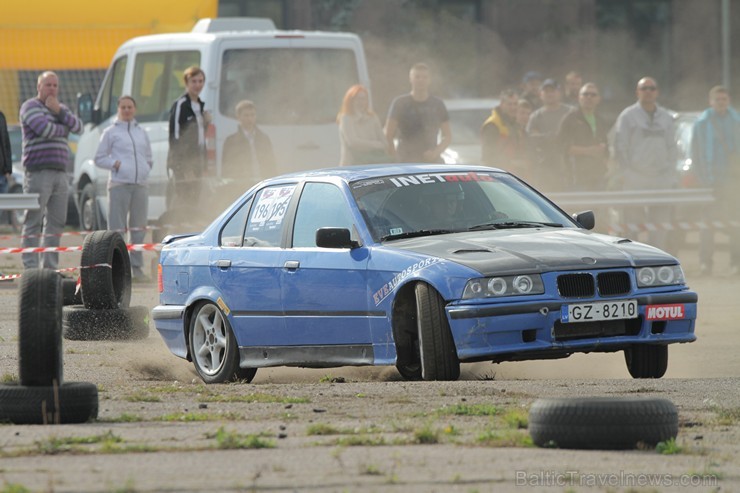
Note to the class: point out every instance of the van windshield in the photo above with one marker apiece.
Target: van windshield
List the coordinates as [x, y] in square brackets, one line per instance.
[289, 86]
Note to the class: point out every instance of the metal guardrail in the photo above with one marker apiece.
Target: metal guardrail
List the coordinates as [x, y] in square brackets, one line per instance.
[567, 200]
[13, 201]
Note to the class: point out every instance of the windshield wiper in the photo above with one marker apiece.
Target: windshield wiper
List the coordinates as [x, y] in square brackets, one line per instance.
[513, 225]
[415, 234]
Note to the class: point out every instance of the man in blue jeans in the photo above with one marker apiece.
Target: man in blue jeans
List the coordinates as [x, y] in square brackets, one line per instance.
[46, 124]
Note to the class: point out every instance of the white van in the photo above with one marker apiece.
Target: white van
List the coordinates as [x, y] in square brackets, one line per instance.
[297, 80]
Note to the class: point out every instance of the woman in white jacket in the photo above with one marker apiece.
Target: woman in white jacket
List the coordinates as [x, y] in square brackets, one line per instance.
[125, 150]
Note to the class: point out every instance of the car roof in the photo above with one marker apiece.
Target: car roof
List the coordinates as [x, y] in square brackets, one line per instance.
[354, 173]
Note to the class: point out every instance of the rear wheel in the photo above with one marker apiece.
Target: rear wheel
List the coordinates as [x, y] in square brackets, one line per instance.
[437, 352]
[213, 347]
[646, 361]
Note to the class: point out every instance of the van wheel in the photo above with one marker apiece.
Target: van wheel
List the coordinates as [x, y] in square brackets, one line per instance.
[437, 351]
[81, 324]
[106, 271]
[40, 328]
[605, 423]
[90, 217]
[71, 402]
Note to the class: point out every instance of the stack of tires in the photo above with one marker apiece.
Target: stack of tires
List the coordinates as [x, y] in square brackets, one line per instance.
[41, 396]
[101, 311]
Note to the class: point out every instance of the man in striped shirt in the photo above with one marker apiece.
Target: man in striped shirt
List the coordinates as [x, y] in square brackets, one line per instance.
[46, 124]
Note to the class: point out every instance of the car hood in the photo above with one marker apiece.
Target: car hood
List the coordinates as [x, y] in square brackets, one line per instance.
[503, 252]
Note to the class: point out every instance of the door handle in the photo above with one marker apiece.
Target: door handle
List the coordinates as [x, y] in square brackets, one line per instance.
[292, 265]
[223, 264]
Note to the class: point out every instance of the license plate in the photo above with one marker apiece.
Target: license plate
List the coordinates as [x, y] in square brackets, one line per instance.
[602, 310]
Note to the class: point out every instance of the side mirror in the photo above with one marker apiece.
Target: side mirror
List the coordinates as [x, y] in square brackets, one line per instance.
[334, 238]
[85, 107]
[586, 219]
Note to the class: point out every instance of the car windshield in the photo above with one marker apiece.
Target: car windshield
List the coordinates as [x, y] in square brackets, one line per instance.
[404, 206]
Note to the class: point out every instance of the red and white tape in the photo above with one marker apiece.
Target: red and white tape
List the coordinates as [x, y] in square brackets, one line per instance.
[136, 248]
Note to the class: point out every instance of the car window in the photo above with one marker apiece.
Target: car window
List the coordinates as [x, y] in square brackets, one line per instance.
[232, 233]
[321, 205]
[158, 82]
[266, 219]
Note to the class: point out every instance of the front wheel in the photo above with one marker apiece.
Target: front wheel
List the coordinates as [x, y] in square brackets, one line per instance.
[213, 347]
[437, 351]
[646, 361]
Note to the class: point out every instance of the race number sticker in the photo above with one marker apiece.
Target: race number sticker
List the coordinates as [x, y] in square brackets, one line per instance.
[269, 211]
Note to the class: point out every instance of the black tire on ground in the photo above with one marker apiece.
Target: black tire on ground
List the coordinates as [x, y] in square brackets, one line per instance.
[71, 402]
[106, 286]
[213, 347]
[70, 296]
[40, 328]
[437, 350]
[118, 324]
[606, 423]
[646, 361]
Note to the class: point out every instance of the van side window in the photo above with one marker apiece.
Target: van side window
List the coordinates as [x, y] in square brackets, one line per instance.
[289, 86]
[158, 82]
[112, 89]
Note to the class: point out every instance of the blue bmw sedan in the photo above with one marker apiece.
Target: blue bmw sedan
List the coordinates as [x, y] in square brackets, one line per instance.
[423, 267]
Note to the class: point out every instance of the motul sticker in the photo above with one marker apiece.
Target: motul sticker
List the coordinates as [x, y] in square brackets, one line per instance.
[665, 312]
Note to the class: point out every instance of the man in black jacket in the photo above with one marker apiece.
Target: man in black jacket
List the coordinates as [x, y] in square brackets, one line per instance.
[186, 158]
[582, 135]
[247, 156]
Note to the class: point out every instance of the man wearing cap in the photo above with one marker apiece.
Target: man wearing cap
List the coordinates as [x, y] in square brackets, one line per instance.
[542, 130]
[531, 88]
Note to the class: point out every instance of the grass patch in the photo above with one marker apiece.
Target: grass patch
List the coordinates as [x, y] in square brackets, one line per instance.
[253, 398]
[64, 445]
[14, 488]
[189, 417]
[426, 435]
[463, 409]
[517, 419]
[9, 378]
[142, 397]
[727, 416]
[123, 418]
[228, 440]
[668, 447]
[370, 470]
[504, 438]
[322, 429]
[360, 441]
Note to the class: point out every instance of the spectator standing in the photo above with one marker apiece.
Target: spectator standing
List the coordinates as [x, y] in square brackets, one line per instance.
[187, 150]
[248, 156]
[531, 83]
[573, 85]
[361, 135]
[542, 130]
[499, 135]
[582, 136]
[645, 149]
[125, 151]
[417, 119]
[46, 124]
[6, 155]
[523, 161]
[715, 154]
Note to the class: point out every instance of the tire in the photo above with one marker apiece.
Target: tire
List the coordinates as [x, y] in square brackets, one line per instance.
[70, 295]
[646, 361]
[40, 328]
[89, 214]
[213, 347]
[105, 287]
[72, 402]
[437, 351]
[82, 324]
[606, 423]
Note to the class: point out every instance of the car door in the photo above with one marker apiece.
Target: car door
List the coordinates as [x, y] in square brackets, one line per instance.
[324, 289]
[246, 267]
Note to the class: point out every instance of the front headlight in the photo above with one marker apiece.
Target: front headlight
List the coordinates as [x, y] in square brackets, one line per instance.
[488, 287]
[663, 275]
